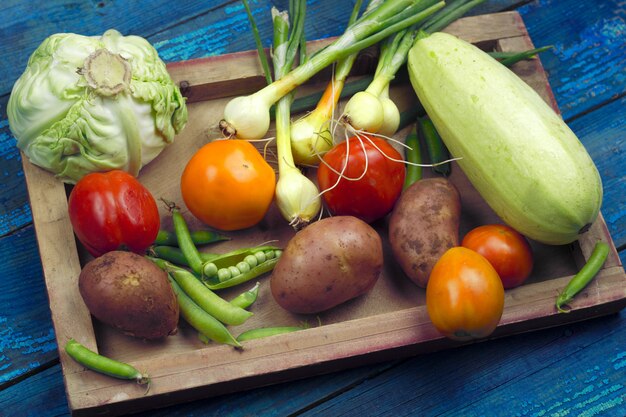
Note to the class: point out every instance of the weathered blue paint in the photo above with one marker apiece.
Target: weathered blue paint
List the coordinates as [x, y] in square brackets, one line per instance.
[576, 370]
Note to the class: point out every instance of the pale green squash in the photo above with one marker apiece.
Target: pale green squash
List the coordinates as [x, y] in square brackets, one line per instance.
[518, 153]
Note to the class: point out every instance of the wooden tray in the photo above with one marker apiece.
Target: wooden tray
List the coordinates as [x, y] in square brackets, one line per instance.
[389, 322]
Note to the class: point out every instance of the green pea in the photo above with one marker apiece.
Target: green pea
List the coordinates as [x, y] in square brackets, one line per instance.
[260, 256]
[253, 273]
[209, 269]
[223, 274]
[251, 260]
[243, 267]
[234, 271]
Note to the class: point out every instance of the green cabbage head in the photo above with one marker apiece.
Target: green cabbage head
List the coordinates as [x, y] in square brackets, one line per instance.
[94, 103]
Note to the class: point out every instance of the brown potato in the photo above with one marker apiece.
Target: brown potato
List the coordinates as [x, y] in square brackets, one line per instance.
[423, 225]
[327, 263]
[129, 292]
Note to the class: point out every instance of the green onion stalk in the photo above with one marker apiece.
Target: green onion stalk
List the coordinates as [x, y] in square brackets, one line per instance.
[311, 135]
[297, 197]
[248, 117]
[372, 110]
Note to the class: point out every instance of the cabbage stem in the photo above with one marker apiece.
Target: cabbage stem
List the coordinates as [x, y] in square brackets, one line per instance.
[107, 73]
[248, 117]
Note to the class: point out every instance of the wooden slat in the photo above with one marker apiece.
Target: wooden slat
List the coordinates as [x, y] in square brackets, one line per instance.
[24, 312]
[59, 258]
[591, 48]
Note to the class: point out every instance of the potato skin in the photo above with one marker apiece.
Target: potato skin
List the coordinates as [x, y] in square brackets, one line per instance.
[423, 225]
[327, 263]
[131, 293]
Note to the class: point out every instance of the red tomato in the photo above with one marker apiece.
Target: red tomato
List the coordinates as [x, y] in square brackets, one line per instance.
[506, 249]
[379, 182]
[113, 210]
[464, 295]
[228, 185]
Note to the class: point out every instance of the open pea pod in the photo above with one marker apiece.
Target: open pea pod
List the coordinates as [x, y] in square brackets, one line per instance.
[239, 266]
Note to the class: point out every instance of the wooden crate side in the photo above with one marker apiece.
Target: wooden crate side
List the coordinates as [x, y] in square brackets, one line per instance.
[60, 263]
[199, 372]
[220, 369]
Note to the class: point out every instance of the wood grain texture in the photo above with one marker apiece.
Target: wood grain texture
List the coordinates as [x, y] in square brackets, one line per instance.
[593, 51]
[385, 324]
[600, 126]
[26, 330]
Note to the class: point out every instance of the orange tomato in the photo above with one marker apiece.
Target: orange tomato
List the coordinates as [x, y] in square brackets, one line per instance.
[508, 251]
[464, 295]
[228, 185]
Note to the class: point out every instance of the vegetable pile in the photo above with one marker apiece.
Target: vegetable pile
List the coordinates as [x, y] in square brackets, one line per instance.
[346, 185]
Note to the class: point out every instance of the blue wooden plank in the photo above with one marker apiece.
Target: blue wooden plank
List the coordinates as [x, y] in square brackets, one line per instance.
[27, 340]
[24, 25]
[14, 208]
[562, 371]
[27, 321]
[42, 395]
[604, 135]
[586, 67]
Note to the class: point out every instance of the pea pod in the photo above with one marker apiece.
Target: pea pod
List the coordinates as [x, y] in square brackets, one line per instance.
[246, 298]
[437, 151]
[176, 256]
[584, 276]
[185, 243]
[198, 237]
[207, 325]
[239, 266]
[206, 299]
[103, 364]
[414, 156]
[266, 332]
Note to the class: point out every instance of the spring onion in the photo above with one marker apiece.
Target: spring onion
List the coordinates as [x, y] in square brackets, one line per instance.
[311, 135]
[249, 117]
[297, 197]
[372, 110]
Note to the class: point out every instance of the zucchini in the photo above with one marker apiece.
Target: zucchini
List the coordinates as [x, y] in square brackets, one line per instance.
[519, 154]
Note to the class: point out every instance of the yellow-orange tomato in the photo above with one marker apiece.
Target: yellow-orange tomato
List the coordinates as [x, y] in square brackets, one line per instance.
[228, 185]
[464, 295]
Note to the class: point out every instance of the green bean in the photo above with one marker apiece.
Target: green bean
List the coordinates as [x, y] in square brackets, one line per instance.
[200, 320]
[210, 302]
[175, 255]
[185, 243]
[509, 58]
[437, 151]
[584, 276]
[199, 237]
[104, 365]
[266, 332]
[246, 298]
[413, 155]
